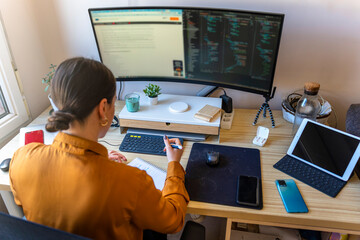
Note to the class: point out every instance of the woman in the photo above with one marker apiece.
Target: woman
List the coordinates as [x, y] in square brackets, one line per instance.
[74, 185]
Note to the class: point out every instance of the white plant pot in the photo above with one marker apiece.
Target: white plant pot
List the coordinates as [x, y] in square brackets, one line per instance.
[153, 100]
[52, 103]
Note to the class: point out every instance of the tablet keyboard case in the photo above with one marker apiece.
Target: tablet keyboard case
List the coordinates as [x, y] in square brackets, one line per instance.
[310, 175]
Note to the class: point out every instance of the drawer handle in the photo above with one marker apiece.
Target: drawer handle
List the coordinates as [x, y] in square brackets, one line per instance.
[167, 124]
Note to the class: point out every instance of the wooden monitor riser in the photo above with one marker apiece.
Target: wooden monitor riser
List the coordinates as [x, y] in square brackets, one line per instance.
[159, 117]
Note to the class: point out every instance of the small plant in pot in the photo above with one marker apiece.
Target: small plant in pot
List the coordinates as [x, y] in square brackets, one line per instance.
[47, 81]
[152, 91]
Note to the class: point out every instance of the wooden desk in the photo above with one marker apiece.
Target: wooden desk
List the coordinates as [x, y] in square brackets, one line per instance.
[340, 214]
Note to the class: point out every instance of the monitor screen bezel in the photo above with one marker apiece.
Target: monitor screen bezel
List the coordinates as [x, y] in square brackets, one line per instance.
[263, 92]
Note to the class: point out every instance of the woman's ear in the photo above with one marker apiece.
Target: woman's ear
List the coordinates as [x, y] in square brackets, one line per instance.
[102, 108]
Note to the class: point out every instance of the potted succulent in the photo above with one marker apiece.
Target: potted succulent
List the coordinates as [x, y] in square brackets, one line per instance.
[152, 91]
[47, 81]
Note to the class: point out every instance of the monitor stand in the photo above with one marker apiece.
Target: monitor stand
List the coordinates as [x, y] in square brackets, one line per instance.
[171, 134]
[165, 117]
[206, 91]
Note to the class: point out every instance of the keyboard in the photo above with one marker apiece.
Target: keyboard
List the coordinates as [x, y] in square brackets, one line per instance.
[312, 176]
[144, 143]
[195, 137]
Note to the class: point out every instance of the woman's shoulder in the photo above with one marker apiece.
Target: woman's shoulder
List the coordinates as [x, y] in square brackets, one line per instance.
[28, 154]
[28, 148]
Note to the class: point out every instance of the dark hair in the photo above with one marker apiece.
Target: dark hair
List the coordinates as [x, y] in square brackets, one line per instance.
[79, 84]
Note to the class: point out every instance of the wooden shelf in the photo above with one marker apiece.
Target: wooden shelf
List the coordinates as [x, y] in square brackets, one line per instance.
[159, 117]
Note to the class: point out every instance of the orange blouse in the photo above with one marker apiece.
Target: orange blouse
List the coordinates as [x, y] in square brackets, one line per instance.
[73, 186]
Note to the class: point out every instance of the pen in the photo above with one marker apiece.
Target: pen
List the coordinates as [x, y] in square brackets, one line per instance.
[176, 146]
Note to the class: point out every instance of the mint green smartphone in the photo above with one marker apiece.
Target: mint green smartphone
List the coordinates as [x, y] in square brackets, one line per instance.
[291, 196]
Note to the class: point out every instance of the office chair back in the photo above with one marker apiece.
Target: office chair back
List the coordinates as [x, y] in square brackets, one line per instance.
[193, 231]
[13, 228]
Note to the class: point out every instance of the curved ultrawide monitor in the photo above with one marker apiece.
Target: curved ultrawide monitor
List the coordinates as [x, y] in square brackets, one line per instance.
[225, 48]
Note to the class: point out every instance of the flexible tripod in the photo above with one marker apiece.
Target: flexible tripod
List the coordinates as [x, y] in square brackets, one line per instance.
[265, 106]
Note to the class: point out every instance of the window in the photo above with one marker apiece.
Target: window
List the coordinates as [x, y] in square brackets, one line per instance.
[3, 106]
[13, 112]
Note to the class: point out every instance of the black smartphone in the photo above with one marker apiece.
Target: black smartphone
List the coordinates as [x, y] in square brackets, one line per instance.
[248, 191]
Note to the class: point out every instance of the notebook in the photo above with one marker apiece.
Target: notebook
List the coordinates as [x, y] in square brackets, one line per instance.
[158, 175]
[321, 156]
[48, 136]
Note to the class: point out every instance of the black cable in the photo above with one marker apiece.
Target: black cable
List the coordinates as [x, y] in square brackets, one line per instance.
[115, 122]
[115, 145]
[292, 100]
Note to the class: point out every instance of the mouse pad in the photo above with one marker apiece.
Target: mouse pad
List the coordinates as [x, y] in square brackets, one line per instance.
[218, 184]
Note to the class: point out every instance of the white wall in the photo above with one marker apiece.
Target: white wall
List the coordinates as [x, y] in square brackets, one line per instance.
[25, 44]
[320, 42]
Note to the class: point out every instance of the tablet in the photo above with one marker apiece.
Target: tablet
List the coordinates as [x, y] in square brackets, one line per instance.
[328, 149]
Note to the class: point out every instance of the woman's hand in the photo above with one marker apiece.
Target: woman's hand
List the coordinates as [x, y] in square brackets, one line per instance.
[173, 154]
[117, 157]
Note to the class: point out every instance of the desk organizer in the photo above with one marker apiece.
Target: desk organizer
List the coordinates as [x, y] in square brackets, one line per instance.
[226, 120]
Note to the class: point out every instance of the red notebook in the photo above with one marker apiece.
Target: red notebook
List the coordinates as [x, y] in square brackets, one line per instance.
[34, 136]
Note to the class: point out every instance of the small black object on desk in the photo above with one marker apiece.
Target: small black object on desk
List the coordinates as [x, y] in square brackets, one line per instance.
[4, 165]
[213, 158]
[226, 103]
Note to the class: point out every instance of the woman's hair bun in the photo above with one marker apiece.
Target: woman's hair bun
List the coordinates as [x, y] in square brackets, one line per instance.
[59, 120]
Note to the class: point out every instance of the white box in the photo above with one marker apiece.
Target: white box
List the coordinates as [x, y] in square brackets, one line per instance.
[261, 137]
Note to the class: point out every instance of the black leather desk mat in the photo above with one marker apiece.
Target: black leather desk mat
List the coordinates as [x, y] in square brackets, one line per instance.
[219, 184]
